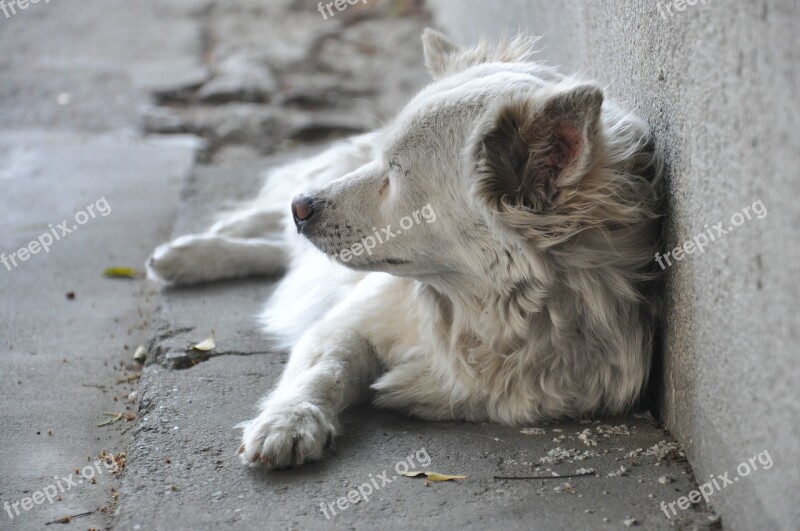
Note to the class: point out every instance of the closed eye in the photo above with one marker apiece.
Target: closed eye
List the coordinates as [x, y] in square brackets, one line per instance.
[394, 164]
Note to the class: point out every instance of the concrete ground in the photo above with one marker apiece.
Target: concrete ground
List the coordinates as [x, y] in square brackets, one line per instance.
[161, 109]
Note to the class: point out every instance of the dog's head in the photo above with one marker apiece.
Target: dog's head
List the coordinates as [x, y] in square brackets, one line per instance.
[494, 157]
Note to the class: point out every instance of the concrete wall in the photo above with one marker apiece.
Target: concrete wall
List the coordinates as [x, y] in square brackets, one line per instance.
[718, 82]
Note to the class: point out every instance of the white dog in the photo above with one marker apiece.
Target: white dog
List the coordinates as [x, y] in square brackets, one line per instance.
[489, 257]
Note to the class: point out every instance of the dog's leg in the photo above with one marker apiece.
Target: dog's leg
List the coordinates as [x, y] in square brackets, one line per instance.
[330, 368]
[251, 223]
[244, 242]
[207, 257]
[327, 372]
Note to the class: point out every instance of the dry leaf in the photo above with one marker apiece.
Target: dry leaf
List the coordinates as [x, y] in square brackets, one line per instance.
[206, 344]
[114, 418]
[432, 476]
[121, 272]
[128, 379]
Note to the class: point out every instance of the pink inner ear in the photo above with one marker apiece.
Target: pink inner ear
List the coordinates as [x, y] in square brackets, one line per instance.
[567, 145]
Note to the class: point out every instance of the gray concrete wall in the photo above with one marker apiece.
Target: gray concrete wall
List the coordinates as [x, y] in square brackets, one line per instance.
[718, 82]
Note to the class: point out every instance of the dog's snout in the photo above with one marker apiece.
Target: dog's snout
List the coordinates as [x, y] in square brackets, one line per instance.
[303, 209]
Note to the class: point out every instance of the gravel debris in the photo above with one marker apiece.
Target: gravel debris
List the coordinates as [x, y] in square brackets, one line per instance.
[587, 437]
[621, 471]
[661, 451]
[558, 455]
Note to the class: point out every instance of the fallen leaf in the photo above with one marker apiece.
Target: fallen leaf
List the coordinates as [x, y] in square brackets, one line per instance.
[130, 378]
[121, 272]
[206, 344]
[114, 418]
[432, 476]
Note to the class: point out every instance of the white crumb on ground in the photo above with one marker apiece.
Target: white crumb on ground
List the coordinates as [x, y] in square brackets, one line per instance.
[532, 431]
[622, 471]
[559, 454]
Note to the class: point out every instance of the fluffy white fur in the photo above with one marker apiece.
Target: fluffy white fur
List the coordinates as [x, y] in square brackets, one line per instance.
[530, 295]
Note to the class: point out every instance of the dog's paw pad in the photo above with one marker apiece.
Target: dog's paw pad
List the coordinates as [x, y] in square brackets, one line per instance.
[286, 436]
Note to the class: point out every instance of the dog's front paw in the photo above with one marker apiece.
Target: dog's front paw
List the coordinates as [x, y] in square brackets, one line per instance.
[286, 436]
[181, 261]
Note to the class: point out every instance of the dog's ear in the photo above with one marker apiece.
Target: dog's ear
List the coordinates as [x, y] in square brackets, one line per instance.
[533, 144]
[444, 58]
[439, 52]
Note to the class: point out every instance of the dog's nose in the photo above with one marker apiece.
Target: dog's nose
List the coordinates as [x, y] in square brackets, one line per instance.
[302, 210]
